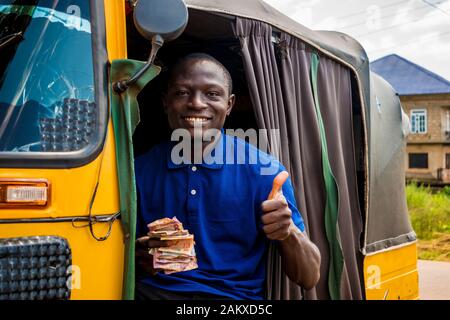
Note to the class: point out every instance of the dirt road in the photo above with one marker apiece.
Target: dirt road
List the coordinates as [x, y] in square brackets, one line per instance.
[434, 280]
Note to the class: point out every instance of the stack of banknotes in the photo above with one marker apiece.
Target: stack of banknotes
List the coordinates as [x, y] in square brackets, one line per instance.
[179, 254]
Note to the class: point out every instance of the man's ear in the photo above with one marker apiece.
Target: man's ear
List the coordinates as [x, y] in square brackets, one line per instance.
[231, 101]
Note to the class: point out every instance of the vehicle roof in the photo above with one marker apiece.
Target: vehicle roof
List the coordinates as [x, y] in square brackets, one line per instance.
[336, 44]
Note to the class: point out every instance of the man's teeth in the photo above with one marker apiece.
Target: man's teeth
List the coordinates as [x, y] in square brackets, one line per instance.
[196, 119]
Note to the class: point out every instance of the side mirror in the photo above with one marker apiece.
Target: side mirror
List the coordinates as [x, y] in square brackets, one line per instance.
[164, 18]
[157, 21]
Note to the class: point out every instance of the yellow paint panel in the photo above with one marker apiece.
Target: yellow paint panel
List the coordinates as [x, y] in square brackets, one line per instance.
[392, 275]
[97, 266]
[115, 29]
[71, 190]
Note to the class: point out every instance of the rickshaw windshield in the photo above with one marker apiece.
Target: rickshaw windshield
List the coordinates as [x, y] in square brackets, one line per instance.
[47, 101]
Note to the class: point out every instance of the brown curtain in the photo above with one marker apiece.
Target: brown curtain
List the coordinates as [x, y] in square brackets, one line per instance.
[335, 96]
[265, 90]
[278, 77]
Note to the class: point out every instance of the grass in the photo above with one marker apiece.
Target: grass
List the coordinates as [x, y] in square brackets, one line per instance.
[437, 249]
[430, 216]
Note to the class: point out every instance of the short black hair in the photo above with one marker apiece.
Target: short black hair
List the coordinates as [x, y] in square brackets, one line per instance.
[206, 57]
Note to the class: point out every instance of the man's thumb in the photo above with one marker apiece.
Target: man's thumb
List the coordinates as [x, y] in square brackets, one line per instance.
[278, 182]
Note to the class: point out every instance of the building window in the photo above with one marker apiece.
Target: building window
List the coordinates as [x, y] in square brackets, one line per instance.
[418, 121]
[447, 118]
[418, 160]
[447, 161]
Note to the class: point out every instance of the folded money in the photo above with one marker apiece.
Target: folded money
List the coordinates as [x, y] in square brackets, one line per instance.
[179, 254]
[168, 257]
[180, 267]
[165, 233]
[165, 224]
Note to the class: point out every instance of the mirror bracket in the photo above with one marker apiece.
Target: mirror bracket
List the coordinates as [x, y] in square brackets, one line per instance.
[123, 85]
[158, 21]
[132, 3]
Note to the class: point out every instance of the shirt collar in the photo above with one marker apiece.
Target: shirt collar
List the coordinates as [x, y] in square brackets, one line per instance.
[209, 165]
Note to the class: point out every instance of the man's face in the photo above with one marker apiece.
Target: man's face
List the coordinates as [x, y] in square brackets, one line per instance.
[198, 96]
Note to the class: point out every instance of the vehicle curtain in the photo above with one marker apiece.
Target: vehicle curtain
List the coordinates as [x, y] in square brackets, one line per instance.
[307, 97]
[125, 117]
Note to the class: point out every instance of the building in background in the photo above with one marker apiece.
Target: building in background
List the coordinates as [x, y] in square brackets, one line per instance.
[425, 97]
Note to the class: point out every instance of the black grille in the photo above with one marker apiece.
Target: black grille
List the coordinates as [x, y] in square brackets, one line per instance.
[71, 129]
[35, 268]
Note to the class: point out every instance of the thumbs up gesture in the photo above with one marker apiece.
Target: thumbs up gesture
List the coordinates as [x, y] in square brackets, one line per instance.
[277, 217]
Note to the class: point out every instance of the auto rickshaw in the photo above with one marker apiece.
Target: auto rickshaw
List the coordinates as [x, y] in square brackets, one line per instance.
[75, 80]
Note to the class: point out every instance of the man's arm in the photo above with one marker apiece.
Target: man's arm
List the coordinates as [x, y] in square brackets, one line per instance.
[301, 258]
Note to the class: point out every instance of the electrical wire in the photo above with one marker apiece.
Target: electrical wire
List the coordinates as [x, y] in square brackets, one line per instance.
[383, 17]
[411, 42]
[393, 26]
[365, 11]
[92, 219]
[435, 7]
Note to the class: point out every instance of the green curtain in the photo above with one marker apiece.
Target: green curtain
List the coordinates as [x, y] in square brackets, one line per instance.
[332, 197]
[125, 117]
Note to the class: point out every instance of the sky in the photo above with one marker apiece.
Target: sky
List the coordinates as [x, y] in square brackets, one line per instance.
[418, 30]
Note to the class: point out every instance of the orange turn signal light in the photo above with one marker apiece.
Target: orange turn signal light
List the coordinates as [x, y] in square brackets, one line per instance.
[24, 192]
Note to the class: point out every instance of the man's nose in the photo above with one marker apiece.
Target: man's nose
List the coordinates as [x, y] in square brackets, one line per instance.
[197, 101]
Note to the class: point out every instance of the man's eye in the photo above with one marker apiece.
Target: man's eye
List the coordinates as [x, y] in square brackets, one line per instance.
[181, 93]
[213, 94]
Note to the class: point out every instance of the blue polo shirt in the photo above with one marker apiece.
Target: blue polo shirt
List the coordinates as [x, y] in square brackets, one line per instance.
[219, 202]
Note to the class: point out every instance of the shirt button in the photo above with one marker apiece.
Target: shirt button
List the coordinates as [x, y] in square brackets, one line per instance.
[193, 192]
[194, 168]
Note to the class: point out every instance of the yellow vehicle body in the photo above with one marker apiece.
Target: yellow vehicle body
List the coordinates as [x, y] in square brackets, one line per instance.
[392, 274]
[97, 271]
[98, 266]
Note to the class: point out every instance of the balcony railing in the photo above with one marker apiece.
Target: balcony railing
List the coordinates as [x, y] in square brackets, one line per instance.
[443, 175]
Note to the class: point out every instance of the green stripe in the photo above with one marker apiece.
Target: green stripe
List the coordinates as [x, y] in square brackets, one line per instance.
[332, 197]
[125, 116]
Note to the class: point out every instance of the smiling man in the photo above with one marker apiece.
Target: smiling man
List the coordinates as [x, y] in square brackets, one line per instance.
[223, 204]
